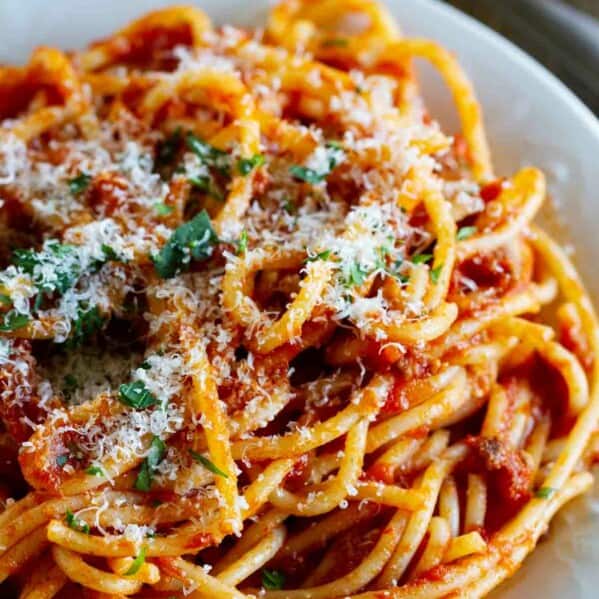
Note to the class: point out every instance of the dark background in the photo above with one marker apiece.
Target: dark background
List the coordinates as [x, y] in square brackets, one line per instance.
[563, 35]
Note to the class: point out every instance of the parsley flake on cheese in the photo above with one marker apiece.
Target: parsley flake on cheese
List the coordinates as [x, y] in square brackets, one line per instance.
[246, 165]
[193, 240]
[143, 482]
[198, 457]
[136, 395]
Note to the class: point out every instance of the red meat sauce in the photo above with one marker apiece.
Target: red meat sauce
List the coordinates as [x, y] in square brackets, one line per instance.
[347, 550]
[549, 392]
[492, 190]
[495, 277]
[150, 47]
[507, 474]
[19, 398]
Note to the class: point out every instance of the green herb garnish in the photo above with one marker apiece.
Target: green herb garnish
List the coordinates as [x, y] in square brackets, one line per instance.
[545, 492]
[163, 209]
[324, 255]
[94, 471]
[75, 523]
[356, 275]
[137, 563]
[242, 243]
[272, 580]
[55, 268]
[136, 395]
[435, 273]
[79, 183]
[465, 232]
[206, 184]
[110, 254]
[13, 320]
[307, 175]
[246, 165]
[167, 150]
[421, 258]
[289, 206]
[4, 299]
[143, 482]
[334, 153]
[208, 154]
[192, 240]
[88, 322]
[198, 457]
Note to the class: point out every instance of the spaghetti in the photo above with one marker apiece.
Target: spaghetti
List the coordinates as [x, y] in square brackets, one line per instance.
[266, 330]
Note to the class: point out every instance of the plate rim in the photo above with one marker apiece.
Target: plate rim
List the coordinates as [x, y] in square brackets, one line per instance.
[523, 58]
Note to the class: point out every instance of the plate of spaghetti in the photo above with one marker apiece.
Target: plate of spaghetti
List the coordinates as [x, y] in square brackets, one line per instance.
[267, 328]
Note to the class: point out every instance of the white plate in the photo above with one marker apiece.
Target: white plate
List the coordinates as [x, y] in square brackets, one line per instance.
[531, 119]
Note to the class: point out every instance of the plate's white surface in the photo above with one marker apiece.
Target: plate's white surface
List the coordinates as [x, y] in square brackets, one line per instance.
[531, 119]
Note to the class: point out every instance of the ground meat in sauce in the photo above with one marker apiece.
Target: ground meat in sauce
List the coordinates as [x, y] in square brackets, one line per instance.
[507, 474]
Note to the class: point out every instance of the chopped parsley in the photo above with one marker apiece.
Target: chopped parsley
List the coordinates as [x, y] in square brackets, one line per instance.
[381, 258]
[191, 240]
[137, 562]
[465, 232]
[198, 457]
[13, 320]
[163, 209]
[88, 322]
[334, 154]
[545, 492]
[324, 255]
[75, 523]
[206, 184]
[4, 299]
[242, 243]
[79, 183]
[421, 258]
[136, 395]
[435, 273]
[272, 580]
[110, 254]
[94, 471]
[143, 482]
[289, 206]
[334, 145]
[208, 154]
[56, 268]
[210, 157]
[167, 151]
[356, 275]
[246, 165]
[308, 175]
